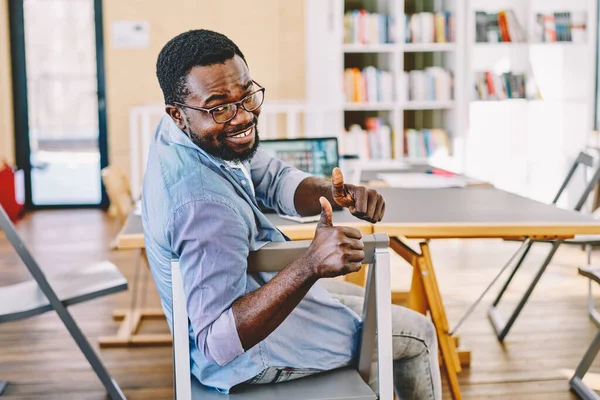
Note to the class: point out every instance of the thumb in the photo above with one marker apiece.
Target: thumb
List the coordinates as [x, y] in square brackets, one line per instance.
[337, 179]
[326, 218]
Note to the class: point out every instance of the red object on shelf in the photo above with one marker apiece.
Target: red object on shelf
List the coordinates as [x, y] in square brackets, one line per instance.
[8, 198]
[441, 172]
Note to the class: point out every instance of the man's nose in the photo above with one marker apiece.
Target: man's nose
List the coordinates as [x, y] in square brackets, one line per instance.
[242, 117]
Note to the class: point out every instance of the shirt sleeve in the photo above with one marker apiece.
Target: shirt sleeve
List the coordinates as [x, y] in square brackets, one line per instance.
[275, 182]
[212, 243]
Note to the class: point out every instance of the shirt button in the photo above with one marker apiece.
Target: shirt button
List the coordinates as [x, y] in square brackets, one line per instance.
[243, 181]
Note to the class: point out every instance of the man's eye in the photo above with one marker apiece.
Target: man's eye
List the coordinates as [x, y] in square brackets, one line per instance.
[221, 109]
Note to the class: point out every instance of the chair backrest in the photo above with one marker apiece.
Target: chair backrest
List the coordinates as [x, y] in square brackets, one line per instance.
[276, 256]
[273, 113]
[584, 160]
[181, 347]
[118, 190]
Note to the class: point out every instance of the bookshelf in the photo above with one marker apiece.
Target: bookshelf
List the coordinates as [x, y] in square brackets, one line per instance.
[343, 35]
[524, 142]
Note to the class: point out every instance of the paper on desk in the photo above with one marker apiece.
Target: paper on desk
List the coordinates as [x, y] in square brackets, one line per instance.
[422, 181]
[312, 218]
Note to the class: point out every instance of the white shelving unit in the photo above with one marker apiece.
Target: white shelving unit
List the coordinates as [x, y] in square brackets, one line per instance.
[526, 145]
[327, 57]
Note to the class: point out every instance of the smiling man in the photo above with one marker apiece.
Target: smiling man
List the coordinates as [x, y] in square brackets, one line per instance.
[205, 183]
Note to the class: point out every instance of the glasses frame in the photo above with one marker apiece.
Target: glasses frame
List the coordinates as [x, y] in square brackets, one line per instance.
[236, 104]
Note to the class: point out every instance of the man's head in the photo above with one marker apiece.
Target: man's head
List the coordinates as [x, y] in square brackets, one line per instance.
[201, 70]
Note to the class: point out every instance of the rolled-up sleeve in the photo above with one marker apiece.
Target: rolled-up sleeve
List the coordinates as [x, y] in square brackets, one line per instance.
[275, 182]
[212, 243]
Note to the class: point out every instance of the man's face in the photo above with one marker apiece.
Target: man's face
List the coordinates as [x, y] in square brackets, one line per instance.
[214, 85]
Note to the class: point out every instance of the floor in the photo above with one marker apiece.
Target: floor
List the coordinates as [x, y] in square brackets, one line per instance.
[41, 361]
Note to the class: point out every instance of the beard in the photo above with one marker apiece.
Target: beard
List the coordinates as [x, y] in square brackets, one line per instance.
[222, 150]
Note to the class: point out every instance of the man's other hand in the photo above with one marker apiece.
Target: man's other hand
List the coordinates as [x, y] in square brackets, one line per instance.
[362, 202]
[335, 250]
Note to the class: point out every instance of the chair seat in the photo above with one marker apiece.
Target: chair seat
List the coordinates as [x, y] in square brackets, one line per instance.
[23, 300]
[584, 239]
[590, 271]
[344, 383]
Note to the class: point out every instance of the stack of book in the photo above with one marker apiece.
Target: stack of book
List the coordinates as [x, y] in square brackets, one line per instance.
[427, 27]
[567, 26]
[426, 143]
[362, 27]
[498, 27]
[372, 143]
[490, 86]
[369, 85]
[430, 84]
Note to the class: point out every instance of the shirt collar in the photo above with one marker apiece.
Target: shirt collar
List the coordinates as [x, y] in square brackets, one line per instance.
[172, 134]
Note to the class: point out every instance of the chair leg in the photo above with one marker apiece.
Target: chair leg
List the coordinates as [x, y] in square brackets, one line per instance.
[493, 314]
[112, 388]
[592, 313]
[2, 386]
[513, 272]
[576, 381]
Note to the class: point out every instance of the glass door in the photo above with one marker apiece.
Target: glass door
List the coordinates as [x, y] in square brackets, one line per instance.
[63, 138]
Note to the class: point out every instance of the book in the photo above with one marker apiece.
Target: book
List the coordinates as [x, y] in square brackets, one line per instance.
[503, 26]
[429, 27]
[560, 26]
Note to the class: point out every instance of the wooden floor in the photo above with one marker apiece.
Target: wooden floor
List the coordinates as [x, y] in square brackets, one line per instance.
[40, 360]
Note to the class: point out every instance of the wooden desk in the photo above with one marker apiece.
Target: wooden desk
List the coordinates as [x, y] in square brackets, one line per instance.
[435, 214]
[131, 237]
[479, 212]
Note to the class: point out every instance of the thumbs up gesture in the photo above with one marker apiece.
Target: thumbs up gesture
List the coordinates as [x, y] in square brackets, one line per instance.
[363, 203]
[335, 250]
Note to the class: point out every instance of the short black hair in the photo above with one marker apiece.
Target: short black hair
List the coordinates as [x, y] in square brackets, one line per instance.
[194, 48]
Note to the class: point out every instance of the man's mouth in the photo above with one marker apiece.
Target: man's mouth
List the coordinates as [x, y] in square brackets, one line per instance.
[242, 134]
[242, 137]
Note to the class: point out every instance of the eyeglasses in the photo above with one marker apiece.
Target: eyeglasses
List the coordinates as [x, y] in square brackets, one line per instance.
[226, 112]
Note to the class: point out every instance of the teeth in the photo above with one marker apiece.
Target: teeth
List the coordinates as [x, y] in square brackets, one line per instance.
[243, 134]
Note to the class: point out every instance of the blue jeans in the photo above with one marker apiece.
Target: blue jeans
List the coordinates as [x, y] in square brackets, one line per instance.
[415, 347]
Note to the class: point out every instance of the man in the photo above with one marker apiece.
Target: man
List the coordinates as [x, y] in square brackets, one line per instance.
[205, 183]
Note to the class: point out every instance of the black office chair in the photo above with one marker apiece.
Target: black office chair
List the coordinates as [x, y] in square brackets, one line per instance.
[47, 293]
[499, 326]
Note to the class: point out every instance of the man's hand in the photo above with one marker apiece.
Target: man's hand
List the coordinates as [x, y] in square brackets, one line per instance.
[363, 203]
[335, 250]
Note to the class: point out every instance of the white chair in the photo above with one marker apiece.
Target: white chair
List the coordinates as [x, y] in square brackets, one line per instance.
[56, 293]
[343, 383]
[583, 391]
[502, 327]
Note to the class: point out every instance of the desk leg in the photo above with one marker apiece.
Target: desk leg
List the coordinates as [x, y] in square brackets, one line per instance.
[425, 296]
[131, 319]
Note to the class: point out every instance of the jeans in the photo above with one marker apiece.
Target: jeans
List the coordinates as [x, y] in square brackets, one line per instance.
[415, 349]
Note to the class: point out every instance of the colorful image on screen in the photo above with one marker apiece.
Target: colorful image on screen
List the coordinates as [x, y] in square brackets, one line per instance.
[317, 156]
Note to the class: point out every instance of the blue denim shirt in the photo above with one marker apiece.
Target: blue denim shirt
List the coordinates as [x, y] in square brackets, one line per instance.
[198, 208]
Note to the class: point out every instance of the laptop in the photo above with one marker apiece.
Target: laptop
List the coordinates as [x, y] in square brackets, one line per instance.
[316, 156]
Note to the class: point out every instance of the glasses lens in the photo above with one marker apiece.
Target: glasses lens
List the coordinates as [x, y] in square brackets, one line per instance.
[224, 113]
[253, 101]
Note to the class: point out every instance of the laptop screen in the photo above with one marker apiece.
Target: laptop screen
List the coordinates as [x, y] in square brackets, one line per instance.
[317, 156]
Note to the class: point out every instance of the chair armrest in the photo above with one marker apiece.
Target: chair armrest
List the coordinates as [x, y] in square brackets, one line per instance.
[275, 256]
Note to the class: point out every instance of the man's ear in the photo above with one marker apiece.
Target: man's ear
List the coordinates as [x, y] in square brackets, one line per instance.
[177, 116]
